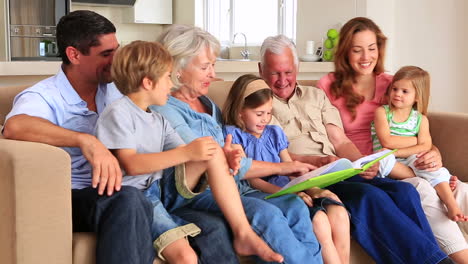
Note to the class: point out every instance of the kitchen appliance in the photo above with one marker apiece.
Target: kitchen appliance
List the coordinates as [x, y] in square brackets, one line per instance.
[32, 28]
[107, 2]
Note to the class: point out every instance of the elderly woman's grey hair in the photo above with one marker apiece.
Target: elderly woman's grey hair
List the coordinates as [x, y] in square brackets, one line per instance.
[184, 42]
[276, 45]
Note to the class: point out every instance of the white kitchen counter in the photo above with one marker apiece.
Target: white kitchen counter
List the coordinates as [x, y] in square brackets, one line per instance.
[28, 72]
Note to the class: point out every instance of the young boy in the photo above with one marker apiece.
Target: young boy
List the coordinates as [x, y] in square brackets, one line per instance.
[155, 160]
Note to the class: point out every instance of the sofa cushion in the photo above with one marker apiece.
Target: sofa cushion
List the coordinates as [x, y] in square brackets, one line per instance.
[7, 94]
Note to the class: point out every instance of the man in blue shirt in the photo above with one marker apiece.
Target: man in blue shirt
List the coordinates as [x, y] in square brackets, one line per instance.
[62, 111]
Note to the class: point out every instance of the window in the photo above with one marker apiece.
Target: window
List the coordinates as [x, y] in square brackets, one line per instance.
[256, 19]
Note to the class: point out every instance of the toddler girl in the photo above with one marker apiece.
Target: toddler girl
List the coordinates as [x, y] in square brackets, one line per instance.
[247, 113]
[403, 124]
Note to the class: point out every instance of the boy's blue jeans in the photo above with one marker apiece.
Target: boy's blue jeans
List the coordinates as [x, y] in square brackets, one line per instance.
[388, 220]
[282, 222]
[167, 228]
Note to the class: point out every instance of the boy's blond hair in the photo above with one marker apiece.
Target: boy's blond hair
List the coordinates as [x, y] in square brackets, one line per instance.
[136, 61]
[421, 82]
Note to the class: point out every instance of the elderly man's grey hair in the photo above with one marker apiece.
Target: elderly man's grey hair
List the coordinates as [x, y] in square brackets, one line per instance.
[184, 42]
[276, 45]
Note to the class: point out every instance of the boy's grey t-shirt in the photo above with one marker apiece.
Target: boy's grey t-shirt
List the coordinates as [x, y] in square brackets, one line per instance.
[123, 125]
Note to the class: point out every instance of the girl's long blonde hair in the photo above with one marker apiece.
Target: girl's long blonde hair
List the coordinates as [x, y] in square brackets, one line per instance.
[421, 82]
[345, 76]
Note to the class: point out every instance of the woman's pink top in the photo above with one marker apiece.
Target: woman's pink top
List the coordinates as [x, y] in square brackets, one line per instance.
[358, 130]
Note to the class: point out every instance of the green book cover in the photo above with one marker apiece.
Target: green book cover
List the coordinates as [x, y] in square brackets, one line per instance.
[331, 173]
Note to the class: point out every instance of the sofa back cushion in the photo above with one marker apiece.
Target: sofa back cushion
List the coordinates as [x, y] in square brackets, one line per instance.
[7, 94]
[219, 90]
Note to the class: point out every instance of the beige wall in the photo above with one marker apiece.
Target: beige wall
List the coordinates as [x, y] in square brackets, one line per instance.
[315, 17]
[126, 32]
[428, 33]
[432, 34]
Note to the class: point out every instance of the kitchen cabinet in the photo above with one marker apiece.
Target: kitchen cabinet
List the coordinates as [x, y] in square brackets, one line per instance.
[148, 12]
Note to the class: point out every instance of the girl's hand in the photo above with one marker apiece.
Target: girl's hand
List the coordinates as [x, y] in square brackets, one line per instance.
[315, 193]
[233, 154]
[295, 168]
[429, 160]
[306, 198]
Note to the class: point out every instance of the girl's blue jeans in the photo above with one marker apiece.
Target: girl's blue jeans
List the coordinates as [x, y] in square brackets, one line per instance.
[282, 222]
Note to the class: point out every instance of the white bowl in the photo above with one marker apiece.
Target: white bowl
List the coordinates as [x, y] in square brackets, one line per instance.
[309, 57]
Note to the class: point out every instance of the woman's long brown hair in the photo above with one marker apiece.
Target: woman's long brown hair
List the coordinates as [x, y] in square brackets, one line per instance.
[344, 73]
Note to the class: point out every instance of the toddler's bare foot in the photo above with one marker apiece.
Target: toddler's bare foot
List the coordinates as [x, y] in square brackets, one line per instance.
[251, 244]
[455, 214]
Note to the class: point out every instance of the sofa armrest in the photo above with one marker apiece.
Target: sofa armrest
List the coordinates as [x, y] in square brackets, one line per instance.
[35, 203]
[449, 133]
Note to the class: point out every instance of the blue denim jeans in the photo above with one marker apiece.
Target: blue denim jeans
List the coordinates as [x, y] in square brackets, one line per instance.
[214, 231]
[388, 221]
[164, 197]
[122, 223]
[282, 222]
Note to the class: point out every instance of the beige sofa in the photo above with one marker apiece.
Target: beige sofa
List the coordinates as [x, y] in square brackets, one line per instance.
[35, 204]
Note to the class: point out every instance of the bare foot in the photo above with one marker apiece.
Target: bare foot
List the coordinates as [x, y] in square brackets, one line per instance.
[455, 214]
[251, 244]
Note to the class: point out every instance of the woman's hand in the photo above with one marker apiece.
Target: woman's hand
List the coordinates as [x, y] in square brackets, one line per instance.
[453, 182]
[429, 160]
[315, 193]
[233, 153]
[371, 172]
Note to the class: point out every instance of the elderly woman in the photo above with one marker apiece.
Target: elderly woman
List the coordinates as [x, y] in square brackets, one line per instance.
[282, 222]
[357, 88]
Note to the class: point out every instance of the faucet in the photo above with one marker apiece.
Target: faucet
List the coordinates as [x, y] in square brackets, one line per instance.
[244, 53]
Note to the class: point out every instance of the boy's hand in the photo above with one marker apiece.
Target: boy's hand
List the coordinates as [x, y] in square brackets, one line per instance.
[306, 198]
[106, 169]
[234, 154]
[201, 149]
[315, 193]
[295, 168]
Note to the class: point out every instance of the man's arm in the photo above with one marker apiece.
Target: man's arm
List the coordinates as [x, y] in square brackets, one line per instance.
[134, 163]
[345, 148]
[263, 168]
[318, 161]
[106, 170]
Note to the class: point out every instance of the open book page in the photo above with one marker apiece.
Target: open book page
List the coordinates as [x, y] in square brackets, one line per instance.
[337, 165]
[332, 173]
[367, 161]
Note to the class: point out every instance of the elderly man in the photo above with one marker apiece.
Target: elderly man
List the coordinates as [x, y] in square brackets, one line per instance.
[384, 212]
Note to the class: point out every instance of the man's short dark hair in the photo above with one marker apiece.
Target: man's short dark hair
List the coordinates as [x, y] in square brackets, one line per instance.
[81, 30]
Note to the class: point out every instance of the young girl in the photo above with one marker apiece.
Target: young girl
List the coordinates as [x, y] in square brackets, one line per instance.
[403, 124]
[247, 113]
